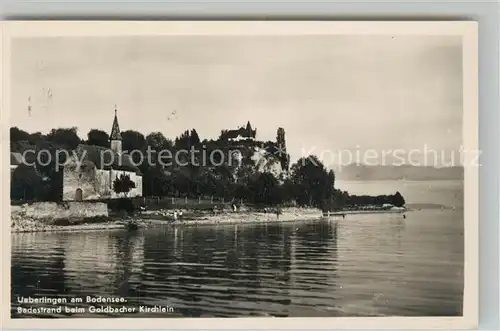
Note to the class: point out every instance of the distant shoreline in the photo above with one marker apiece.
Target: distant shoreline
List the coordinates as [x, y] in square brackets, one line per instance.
[400, 180]
[356, 212]
[363, 172]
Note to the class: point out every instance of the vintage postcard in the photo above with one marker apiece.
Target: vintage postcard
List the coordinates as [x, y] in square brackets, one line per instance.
[295, 174]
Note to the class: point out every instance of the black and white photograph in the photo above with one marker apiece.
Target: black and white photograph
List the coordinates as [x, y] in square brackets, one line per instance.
[259, 174]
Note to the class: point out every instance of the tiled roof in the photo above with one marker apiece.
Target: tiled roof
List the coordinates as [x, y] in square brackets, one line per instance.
[102, 156]
[115, 130]
[232, 134]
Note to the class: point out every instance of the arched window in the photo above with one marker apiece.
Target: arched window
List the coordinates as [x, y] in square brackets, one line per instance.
[79, 194]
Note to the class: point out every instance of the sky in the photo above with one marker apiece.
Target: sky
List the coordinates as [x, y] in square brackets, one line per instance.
[329, 93]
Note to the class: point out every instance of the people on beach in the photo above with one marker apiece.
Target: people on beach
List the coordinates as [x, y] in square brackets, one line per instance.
[175, 215]
[180, 214]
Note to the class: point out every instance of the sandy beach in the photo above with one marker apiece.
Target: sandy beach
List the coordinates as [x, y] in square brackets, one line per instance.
[189, 218]
[158, 218]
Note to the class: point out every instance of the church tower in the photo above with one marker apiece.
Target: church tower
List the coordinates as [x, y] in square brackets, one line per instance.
[115, 137]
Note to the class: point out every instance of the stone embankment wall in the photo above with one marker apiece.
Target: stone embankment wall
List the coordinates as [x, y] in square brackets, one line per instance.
[55, 211]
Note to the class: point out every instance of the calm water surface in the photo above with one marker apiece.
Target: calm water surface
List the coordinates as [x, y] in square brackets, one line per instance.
[363, 265]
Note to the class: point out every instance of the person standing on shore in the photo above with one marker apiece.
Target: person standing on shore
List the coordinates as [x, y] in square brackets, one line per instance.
[278, 212]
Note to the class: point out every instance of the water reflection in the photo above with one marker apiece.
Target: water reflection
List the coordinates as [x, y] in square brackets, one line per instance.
[352, 267]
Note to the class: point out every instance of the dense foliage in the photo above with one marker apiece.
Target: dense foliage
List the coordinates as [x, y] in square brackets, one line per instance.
[123, 184]
[98, 138]
[225, 175]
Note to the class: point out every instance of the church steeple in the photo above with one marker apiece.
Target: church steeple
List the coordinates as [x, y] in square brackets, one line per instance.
[115, 137]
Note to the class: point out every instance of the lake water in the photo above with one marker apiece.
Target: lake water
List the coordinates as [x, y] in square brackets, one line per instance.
[363, 265]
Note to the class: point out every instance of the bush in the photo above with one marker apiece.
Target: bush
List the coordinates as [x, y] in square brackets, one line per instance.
[122, 205]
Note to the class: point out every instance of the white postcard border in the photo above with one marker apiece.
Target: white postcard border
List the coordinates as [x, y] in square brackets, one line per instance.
[467, 29]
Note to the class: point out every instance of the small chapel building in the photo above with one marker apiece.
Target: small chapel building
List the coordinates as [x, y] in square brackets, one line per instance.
[99, 173]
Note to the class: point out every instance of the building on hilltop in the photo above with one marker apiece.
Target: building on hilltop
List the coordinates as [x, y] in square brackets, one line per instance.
[92, 171]
[242, 133]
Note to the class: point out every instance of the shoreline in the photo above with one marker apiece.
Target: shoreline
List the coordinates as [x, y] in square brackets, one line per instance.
[158, 218]
[356, 212]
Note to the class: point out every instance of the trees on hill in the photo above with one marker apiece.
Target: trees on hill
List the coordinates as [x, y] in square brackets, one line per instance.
[265, 189]
[282, 153]
[98, 138]
[158, 142]
[17, 135]
[308, 183]
[157, 183]
[314, 184]
[66, 137]
[27, 184]
[187, 139]
[398, 200]
[133, 140]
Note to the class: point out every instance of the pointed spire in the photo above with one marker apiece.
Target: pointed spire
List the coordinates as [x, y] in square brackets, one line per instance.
[115, 130]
